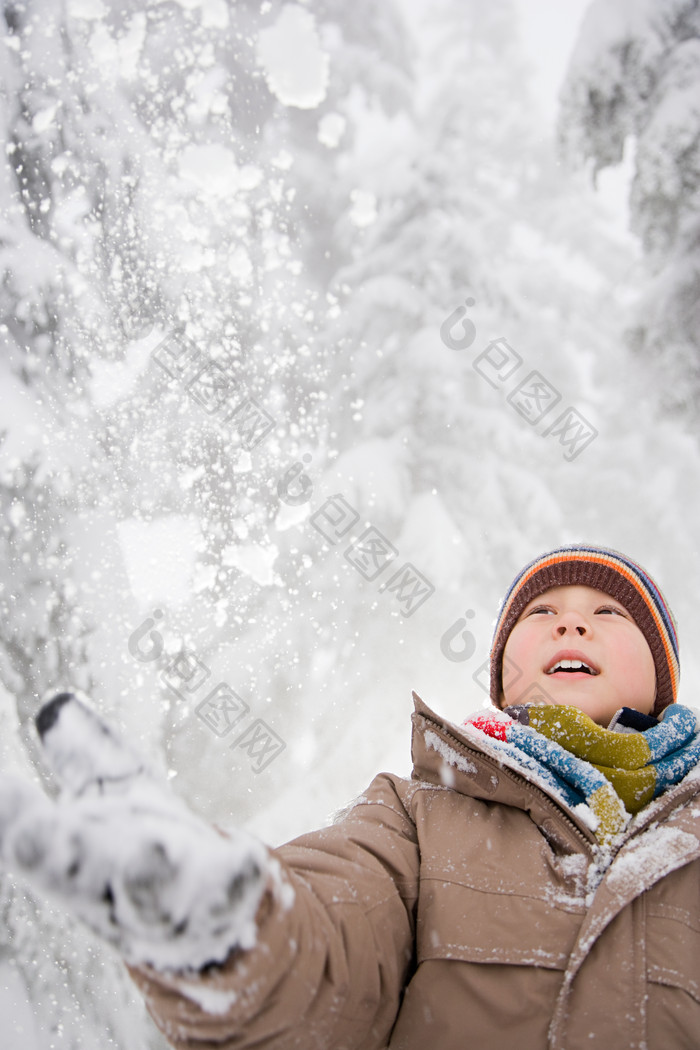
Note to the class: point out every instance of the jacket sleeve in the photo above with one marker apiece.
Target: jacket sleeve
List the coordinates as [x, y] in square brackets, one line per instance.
[329, 969]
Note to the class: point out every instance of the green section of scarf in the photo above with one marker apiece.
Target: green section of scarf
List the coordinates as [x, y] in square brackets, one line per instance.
[624, 759]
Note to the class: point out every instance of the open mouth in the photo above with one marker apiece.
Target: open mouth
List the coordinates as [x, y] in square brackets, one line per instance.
[571, 667]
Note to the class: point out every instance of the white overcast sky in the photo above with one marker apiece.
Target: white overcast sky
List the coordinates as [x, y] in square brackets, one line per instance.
[549, 29]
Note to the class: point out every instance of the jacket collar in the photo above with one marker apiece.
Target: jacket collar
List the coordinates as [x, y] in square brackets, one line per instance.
[462, 758]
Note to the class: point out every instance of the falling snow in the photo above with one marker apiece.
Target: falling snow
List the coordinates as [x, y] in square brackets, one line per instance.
[233, 240]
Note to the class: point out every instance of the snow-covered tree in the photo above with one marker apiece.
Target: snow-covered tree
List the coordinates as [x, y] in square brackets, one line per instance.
[633, 89]
[155, 192]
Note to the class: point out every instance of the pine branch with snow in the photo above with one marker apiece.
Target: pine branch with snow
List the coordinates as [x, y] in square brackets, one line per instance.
[633, 88]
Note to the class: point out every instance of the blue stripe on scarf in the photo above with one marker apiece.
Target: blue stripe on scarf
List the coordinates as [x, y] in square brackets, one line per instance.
[579, 776]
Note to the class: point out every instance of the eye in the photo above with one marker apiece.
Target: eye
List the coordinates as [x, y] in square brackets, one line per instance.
[540, 609]
[612, 609]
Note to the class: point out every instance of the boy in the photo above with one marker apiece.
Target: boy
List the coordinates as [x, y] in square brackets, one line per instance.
[536, 884]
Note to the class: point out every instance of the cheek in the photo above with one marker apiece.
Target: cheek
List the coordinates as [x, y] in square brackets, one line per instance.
[517, 657]
[520, 644]
[637, 666]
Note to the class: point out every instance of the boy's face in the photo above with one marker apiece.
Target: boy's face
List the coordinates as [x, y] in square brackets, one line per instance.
[581, 623]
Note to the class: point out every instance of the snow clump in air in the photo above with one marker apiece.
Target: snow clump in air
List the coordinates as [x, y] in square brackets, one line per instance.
[212, 168]
[295, 65]
[331, 128]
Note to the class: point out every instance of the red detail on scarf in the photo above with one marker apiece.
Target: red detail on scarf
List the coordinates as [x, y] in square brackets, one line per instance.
[491, 726]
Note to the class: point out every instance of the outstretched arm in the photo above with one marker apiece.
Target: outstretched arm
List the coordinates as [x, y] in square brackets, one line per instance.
[327, 973]
[232, 945]
[124, 854]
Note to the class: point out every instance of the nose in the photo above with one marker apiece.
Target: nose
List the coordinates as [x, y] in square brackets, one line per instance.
[572, 622]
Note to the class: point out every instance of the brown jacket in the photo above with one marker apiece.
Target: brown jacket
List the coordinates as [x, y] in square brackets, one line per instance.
[465, 908]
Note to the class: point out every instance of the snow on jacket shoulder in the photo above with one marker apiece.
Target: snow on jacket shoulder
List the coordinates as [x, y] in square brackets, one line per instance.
[467, 907]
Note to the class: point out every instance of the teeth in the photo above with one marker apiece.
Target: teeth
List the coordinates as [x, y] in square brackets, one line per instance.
[577, 665]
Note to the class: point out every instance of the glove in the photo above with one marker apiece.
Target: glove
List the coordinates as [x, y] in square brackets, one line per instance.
[125, 855]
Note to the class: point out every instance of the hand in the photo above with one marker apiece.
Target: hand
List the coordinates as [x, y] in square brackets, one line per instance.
[124, 854]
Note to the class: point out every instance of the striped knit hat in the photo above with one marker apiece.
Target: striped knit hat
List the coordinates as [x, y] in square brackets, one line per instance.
[616, 575]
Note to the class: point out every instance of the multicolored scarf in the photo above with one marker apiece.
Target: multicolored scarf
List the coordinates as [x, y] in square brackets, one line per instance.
[614, 771]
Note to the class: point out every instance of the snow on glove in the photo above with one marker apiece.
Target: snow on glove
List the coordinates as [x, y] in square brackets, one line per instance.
[125, 854]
